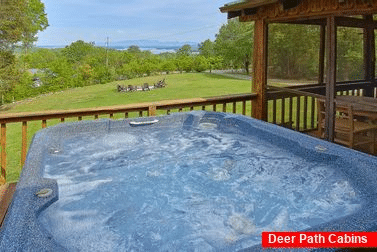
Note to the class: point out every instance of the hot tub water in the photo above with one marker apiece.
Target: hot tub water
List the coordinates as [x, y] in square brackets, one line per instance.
[181, 189]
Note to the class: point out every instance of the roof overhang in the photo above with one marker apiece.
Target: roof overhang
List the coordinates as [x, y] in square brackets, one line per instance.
[297, 10]
[245, 4]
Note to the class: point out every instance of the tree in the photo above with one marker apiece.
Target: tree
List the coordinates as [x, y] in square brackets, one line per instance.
[40, 58]
[215, 62]
[13, 23]
[77, 51]
[207, 48]
[200, 63]
[350, 54]
[290, 57]
[36, 21]
[134, 49]
[235, 43]
[168, 65]
[185, 50]
[20, 21]
[184, 63]
[59, 75]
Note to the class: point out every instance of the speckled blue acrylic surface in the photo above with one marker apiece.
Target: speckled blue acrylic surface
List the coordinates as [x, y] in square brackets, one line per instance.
[199, 180]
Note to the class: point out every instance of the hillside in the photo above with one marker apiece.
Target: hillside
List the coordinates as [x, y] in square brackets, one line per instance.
[180, 86]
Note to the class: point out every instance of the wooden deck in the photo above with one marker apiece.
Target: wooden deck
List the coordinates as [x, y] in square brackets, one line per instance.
[6, 194]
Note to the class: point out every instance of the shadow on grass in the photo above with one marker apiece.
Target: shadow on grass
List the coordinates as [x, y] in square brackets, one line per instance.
[219, 76]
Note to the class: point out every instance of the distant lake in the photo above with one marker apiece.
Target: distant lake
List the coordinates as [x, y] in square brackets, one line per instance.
[155, 49]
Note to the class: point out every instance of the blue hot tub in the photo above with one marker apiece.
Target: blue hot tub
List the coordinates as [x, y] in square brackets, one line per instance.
[200, 180]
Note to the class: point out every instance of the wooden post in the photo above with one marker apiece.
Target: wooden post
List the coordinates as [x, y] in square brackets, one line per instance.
[6, 194]
[369, 55]
[322, 54]
[331, 79]
[23, 143]
[152, 110]
[3, 153]
[259, 105]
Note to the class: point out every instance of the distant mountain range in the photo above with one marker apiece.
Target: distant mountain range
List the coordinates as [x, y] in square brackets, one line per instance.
[153, 45]
[150, 44]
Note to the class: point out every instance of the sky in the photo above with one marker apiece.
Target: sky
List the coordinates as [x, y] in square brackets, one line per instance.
[163, 20]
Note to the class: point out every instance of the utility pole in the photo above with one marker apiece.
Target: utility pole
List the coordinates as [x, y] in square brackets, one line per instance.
[107, 52]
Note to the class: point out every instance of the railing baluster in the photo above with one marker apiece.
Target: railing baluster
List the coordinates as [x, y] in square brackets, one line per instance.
[125, 115]
[168, 111]
[305, 112]
[274, 111]
[95, 117]
[191, 108]
[23, 143]
[79, 118]
[313, 113]
[234, 107]
[298, 113]
[3, 153]
[62, 119]
[290, 112]
[244, 107]
[214, 107]
[141, 113]
[282, 120]
[111, 116]
[44, 123]
[203, 107]
[224, 107]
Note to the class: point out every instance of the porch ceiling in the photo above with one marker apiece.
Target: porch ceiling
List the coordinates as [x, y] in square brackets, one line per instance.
[297, 10]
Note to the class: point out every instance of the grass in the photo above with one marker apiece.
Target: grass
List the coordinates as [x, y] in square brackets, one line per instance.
[180, 86]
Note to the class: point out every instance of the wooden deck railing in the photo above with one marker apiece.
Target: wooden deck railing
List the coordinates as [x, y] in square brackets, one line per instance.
[291, 107]
[295, 107]
[150, 108]
[342, 88]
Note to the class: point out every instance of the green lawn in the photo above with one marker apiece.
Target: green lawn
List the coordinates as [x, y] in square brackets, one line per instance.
[180, 86]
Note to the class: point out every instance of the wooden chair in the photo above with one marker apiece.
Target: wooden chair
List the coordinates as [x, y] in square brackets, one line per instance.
[132, 88]
[145, 87]
[348, 130]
